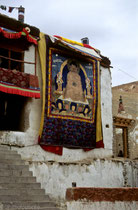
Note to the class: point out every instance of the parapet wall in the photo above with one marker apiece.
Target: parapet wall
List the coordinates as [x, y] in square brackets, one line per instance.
[58, 174]
[102, 198]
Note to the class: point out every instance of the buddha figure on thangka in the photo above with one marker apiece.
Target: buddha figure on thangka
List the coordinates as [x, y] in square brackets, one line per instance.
[72, 91]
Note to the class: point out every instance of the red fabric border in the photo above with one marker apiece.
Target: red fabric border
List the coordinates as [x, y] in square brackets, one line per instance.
[18, 35]
[20, 92]
[100, 144]
[59, 150]
[88, 46]
[84, 45]
[30, 39]
[54, 149]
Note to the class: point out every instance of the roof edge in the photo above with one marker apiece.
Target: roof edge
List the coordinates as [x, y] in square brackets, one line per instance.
[15, 25]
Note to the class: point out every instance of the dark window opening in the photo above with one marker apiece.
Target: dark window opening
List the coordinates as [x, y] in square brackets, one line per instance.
[11, 112]
[12, 60]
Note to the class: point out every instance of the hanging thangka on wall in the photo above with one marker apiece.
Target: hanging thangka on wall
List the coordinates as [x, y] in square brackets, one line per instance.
[72, 89]
[71, 97]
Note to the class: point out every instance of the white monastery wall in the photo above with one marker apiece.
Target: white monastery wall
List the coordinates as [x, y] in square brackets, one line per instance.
[106, 107]
[55, 177]
[29, 56]
[81, 205]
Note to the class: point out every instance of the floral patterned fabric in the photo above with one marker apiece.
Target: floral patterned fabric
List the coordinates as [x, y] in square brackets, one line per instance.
[17, 78]
[15, 82]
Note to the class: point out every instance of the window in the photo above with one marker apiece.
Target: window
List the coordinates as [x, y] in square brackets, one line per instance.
[10, 59]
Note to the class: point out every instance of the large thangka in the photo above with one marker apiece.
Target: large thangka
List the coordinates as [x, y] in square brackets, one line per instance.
[71, 98]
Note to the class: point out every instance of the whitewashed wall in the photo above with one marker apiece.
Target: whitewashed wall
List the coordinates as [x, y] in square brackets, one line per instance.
[80, 205]
[29, 56]
[106, 107]
[56, 177]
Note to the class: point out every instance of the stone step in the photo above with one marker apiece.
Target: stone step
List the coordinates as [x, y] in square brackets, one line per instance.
[12, 161]
[18, 188]
[28, 204]
[20, 185]
[20, 191]
[10, 156]
[11, 179]
[24, 197]
[46, 208]
[14, 167]
[4, 147]
[15, 172]
[8, 152]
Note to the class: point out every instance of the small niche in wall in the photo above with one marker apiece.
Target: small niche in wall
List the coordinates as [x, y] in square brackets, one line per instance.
[107, 125]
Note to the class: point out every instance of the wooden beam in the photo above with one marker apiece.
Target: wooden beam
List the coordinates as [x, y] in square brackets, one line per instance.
[121, 125]
[125, 142]
[21, 61]
[122, 122]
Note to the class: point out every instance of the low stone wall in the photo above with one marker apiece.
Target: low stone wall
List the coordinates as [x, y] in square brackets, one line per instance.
[102, 198]
[86, 169]
[81, 205]
[57, 173]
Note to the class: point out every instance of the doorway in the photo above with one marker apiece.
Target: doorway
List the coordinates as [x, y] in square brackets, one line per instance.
[11, 112]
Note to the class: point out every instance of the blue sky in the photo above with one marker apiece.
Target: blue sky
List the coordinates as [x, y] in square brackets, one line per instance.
[110, 25]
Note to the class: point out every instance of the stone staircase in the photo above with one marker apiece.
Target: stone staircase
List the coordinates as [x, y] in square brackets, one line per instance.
[18, 188]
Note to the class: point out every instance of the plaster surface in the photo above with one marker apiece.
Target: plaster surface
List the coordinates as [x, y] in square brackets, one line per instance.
[55, 178]
[36, 153]
[101, 205]
[58, 175]
[29, 56]
[106, 107]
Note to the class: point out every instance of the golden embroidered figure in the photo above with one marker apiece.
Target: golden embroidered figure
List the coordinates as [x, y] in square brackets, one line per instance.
[73, 88]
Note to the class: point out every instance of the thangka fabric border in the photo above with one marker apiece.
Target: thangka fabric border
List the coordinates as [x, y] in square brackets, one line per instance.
[66, 132]
[56, 146]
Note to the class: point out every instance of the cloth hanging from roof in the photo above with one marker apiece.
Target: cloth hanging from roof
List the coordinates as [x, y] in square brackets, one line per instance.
[18, 35]
[67, 122]
[42, 54]
[84, 49]
[74, 42]
[15, 82]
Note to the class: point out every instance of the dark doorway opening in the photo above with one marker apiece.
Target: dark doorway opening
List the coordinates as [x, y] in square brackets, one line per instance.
[11, 112]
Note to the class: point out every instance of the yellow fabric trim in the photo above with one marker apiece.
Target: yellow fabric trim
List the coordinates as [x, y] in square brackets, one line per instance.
[71, 41]
[42, 55]
[99, 120]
